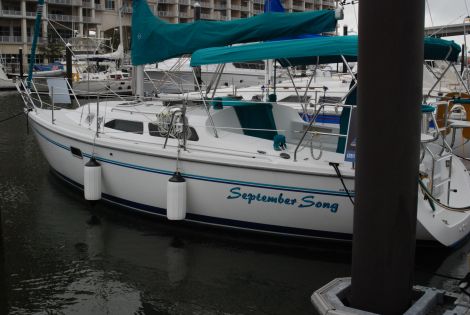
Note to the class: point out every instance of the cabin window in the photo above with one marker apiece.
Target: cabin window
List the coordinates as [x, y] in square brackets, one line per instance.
[329, 99]
[155, 132]
[257, 65]
[126, 125]
[295, 99]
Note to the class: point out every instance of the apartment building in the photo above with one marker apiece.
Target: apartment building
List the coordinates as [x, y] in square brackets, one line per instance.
[96, 18]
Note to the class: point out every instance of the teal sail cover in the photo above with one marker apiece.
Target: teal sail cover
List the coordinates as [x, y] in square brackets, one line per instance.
[311, 50]
[37, 29]
[154, 40]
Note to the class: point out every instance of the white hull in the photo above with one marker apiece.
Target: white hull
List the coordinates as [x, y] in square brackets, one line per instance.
[102, 87]
[312, 205]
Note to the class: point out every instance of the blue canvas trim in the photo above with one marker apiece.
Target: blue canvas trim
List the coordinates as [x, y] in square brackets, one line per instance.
[203, 219]
[203, 178]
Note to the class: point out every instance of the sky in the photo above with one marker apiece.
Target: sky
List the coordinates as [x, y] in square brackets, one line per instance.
[439, 12]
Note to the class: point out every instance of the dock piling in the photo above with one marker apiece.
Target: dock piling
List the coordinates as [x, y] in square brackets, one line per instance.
[386, 179]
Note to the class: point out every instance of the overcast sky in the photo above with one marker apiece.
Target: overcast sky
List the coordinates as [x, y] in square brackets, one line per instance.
[443, 12]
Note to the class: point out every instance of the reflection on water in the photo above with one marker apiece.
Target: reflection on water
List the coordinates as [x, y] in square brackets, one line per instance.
[54, 261]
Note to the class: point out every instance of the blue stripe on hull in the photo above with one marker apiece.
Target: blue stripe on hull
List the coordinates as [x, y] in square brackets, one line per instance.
[203, 178]
[202, 219]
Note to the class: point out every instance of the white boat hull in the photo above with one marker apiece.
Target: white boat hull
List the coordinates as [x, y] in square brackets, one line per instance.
[310, 206]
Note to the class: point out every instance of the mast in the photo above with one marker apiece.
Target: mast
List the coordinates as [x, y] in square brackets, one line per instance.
[121, 35]
[37, 26]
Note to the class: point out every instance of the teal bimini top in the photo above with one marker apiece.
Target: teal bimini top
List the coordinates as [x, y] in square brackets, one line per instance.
[154, 40]
[321, 50]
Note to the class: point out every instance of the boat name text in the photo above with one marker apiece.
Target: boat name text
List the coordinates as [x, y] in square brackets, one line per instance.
[304, 202]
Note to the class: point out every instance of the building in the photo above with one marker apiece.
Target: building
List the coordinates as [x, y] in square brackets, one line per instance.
[99, 18]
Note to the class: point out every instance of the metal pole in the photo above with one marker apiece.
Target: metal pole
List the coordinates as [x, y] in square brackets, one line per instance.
[345, 33]
[97, 116]
[197, 70]
[3, 276]
[139, 81]
[20, 59]
[387, 184]
[68, 62]
[463, 63]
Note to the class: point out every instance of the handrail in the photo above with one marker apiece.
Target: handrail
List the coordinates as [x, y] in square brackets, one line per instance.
[313, 120]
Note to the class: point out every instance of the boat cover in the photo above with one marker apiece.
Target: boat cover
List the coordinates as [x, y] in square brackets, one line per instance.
[154, 40]
[307, 51]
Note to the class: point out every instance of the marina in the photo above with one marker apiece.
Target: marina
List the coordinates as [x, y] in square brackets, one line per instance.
[255, 164]
[55, 260]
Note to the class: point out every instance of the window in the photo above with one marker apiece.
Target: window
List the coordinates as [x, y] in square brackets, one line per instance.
[17, 31]
[155, 132]
[109, 5]
[126, 125]
[257, 65]
[4, 31]
[295, 99]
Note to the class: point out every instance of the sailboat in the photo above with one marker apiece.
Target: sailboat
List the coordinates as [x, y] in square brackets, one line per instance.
[253, 166]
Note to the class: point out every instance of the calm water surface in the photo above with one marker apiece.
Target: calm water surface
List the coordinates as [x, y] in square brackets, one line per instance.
[55, 260]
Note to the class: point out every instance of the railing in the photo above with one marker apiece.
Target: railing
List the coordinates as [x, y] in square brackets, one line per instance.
[31, 14]
[66, 2]
[205, 4]
[166, 13]
[312, 123]
[128, 10]
[219, 6]
[11, 13]
[184, 14]
[88, 19]
[167, 1]
[88, 4]
[329, 3]
[185, 2]
[206, 16]
[11, 39]
[63, 18]
[98, 7]
[236, 7]
[244, 8]
[298, 7]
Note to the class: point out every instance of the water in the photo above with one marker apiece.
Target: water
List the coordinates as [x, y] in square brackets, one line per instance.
[54, 260]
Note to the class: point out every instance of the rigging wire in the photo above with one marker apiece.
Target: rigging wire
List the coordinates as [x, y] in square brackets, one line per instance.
[466, 6]
[429, 10]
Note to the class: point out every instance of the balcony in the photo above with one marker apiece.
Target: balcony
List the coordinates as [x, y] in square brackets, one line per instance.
[298, 7]
[11, 39]
[185, 2]
[127, 10]
[236, 7]
[185, 15]
[167, 2]
[87, 19]
[329, 4]
[166, 13]
[66, 2]
[88, 4]
[256, 12]
[220, 6]
[63, 18]
[244, 8]
[205, 4]
[98, 7]
[11, 13]
[206, 16]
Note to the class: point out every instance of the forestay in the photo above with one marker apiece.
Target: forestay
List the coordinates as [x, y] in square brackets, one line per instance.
[320, 50]
[154, 40]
